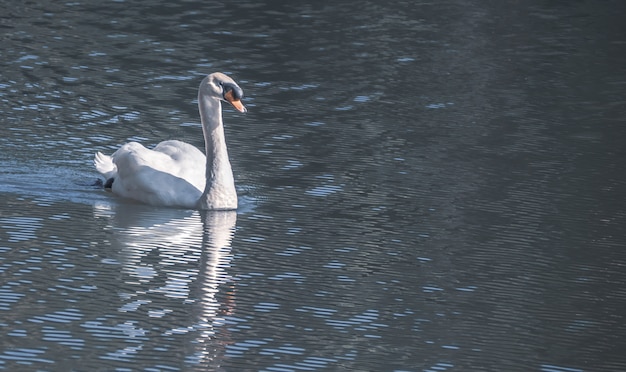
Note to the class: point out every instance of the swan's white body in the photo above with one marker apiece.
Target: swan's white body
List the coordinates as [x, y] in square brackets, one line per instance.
[175, 173]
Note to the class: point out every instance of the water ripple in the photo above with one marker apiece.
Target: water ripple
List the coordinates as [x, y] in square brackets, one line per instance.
[64, 316]
[21, 229]
[24, 355]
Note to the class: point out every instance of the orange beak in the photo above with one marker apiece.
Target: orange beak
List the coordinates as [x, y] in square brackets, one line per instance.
[235, 102]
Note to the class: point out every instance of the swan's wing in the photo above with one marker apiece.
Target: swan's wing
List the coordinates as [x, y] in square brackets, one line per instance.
[173, 157]
[186, 161]
[171, 174]
[178, 150]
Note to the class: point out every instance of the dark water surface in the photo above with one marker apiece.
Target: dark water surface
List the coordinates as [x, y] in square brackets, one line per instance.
[425, 186]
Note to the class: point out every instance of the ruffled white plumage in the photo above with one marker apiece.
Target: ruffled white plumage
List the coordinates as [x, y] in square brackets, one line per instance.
[172, 174]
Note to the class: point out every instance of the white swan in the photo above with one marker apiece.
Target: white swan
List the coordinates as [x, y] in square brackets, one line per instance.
[175, 173]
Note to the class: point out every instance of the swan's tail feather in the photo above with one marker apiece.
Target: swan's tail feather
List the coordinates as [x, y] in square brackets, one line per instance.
[104, 164]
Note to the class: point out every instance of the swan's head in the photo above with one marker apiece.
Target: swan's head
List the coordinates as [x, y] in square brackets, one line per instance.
[222, 87]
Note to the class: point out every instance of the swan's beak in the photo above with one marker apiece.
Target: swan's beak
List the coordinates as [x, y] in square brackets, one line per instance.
[234, 101]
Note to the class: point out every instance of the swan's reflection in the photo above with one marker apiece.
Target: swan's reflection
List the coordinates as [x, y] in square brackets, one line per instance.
[174, 264]
[219, 229]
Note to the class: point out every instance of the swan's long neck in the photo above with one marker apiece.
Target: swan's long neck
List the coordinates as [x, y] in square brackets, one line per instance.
[219, 192]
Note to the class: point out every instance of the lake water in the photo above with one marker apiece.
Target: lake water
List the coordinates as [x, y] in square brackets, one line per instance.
[424, 186]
